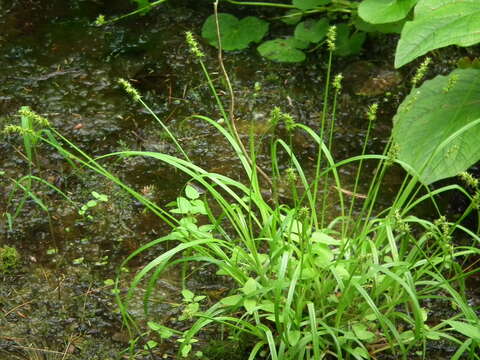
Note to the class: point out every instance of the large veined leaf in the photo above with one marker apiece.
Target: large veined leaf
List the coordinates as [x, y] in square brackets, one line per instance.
[235, 34]
[283, 50]
[437, 127]
[347, 43]
[439, 23]
[384, 11]
[311, 30]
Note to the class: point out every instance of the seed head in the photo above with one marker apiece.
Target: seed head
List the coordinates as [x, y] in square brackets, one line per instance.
[194, 47]
[337, 82]
[331, 37]
[392, 154]
[100, 20]
[452, 80]
[33, 116]
[421, 71]
[372, 112]
[129, 89]
[468, 179]
[15, 129]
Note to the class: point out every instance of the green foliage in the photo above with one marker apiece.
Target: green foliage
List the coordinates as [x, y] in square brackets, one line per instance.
[311, 31]
[89, 205]
[302, 286]
[9, 259]
[385, 11]
[471, 331]
[437, 126]
[238, 34]
[234, 34]
[387, 28]
[438, 24]
[348, 43]
[283, 50]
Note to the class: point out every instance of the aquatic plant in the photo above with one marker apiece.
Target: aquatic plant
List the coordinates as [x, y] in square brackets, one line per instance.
[304, 287]
[433, 25]
[447, 109]
[306, 280]
[438, 24]
[9, 259]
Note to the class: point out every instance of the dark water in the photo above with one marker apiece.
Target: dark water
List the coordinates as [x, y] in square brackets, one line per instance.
[56, 61]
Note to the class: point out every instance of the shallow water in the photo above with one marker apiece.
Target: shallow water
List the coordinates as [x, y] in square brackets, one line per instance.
[54, 60]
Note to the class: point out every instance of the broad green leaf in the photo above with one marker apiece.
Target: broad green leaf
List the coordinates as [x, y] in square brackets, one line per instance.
[321, 237]
[267, 306]
[346, 43]
[471, 331]
[235, 34]
[387, 28]
[436, 24]
[407, 336]
[341, 272]
[191, 192]
[154, 326]
[249, 304]
[109, 282]
[283, 50]
[231, 300]
[362, 332]
[308, 273]
[198, 207]
[424, 313]
[187, 295]
[309, 4]
[184, 206]
[101, 197]
[361, 352]
[91, 203]
[324, 255]
[435, 127]
[293, 337]
[311, 30]
[150, 344]
[384, 11]
[250, 286]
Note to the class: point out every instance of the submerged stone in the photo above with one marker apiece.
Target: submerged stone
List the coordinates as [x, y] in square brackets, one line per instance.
[367, 79]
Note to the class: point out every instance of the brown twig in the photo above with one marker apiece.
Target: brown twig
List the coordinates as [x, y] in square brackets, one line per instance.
[17, 307]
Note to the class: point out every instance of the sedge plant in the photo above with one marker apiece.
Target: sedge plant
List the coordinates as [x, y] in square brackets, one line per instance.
[304, 283]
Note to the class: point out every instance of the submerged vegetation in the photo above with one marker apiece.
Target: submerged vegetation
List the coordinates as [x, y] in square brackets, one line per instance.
[312, 264]
[9, 259]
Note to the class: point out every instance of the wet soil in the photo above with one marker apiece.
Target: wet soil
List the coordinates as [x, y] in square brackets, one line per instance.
[58, 304]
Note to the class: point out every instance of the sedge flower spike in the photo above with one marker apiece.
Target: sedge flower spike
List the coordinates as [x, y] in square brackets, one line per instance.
[421, 71]
[331, 38]
[372, 112]
[193, 44]
[129, 89]
[337, 82]
[33, 116]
